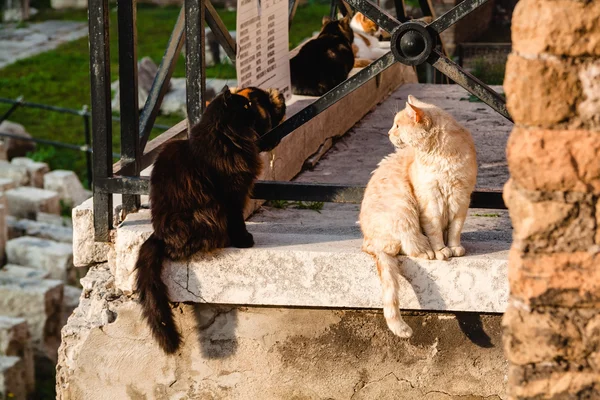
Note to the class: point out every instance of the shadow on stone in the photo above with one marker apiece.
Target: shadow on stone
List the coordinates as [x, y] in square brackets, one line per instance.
[472, 326]
[216, 330]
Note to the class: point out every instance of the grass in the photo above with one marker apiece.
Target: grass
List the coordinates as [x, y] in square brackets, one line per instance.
[61, 77]
[490, 215]
[300, 205]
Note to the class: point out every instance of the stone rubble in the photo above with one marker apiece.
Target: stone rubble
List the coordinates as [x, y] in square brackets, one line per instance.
[38, 284]
[14, 147]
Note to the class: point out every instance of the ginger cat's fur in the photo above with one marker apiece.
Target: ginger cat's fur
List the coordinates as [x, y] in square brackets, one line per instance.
[417, 199]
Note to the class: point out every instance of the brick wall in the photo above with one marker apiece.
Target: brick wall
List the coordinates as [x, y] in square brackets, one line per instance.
[552, 326]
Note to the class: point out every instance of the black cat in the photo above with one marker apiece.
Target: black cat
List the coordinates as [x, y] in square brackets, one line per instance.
[198, 190]
[325, 61]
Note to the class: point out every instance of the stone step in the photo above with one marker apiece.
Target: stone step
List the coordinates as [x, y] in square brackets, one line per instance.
[42, 230]
[16, 173]
[15, 341]
[46, 255]
[40, 303]
[13, 378]
[311, 259]
[35, 170]
[67, 185]
[26, 202]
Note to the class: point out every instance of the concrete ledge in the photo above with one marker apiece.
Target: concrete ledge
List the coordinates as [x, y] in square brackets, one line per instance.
[305, 259]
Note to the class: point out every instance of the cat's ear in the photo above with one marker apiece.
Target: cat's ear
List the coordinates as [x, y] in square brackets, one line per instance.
[326, 20]
[345, 21]
[226, 95]
[414, 112]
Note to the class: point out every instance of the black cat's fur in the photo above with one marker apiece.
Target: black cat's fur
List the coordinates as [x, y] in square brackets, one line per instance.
[325, 61]
[198, 190]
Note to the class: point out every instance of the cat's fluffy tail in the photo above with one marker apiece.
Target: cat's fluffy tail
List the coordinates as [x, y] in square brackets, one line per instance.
[389, 273]
[153, 295]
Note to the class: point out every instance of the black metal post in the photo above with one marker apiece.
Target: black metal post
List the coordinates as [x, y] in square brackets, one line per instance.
[88, 143]
[128, 92]
[292, 7]
[195, 65]
[400, 10]
[101, 114]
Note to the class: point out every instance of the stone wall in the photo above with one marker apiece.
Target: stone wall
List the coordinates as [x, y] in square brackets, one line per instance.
[552, 325]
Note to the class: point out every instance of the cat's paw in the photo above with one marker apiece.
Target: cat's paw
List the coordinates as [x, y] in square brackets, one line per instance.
[457, 251]
[427, 255]
[443, 253]
[243, 240]
[400, 328]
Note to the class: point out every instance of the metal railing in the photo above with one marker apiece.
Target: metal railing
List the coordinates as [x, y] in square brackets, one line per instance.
[412, 43]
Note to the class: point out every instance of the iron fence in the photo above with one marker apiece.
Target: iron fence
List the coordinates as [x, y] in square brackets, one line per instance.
[413, 43]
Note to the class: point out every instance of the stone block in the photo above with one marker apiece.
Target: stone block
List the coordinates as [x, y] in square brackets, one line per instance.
[545, 335]
[50, 219]
[559, 279]
[71, 301]
[3, 154]
[86, 250]
[534, 382]
[45, 255]
[16, 147]
[531, 100]
[40, 303]
[551, 224]
[19, 271]
[302, 259]
[16, 173]
[271, 353]
[42, 230]
[15, 341]
[26, 202]
[13, 378]
[67, 185]
[6, 183]
[562, 27]
[36, 170]
[3, 231]
[555, 160]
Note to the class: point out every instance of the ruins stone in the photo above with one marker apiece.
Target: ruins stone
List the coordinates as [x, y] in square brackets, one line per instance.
[15, 340]
[16, 147]
[3, 231]
[6, 183]
[42, 230]
[45, 255]
[67, 185]
[26, 202]
[13, 378]
[19, 271]
[71, 301]
[40, 303]
[50, 219]
[15, 173]
[35, 170]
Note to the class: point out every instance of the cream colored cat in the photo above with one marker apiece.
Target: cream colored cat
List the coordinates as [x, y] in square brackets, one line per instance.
[417, 199]
[366, 45]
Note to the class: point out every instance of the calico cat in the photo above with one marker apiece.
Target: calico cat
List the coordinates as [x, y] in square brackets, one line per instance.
[325, 61]
[417, 199]
[199, 188]
[366, 40]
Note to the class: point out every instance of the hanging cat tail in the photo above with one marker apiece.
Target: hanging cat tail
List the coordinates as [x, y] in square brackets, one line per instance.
[153, 295]
[389, 273]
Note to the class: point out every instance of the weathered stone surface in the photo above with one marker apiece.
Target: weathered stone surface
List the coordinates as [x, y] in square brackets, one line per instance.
[303, 259]
[531, 100]
[556, 160]
[26, 202]
[16, 147]
[40, 303]
[272, 353]
[67, 185]
[535, 382]
[15, 341]
[561, 27]
[19, 271]
[42, 230]
[549, 225]
[12, 378]
[86, 251]
[549, 334]
[51, 219]
[560, 279]
[71, 301]
[3, 231]
[35, 170]
[6, 183]
[46, 255]
[16, 173]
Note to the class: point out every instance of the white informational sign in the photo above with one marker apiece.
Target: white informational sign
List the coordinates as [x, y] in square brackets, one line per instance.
[262, 45]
